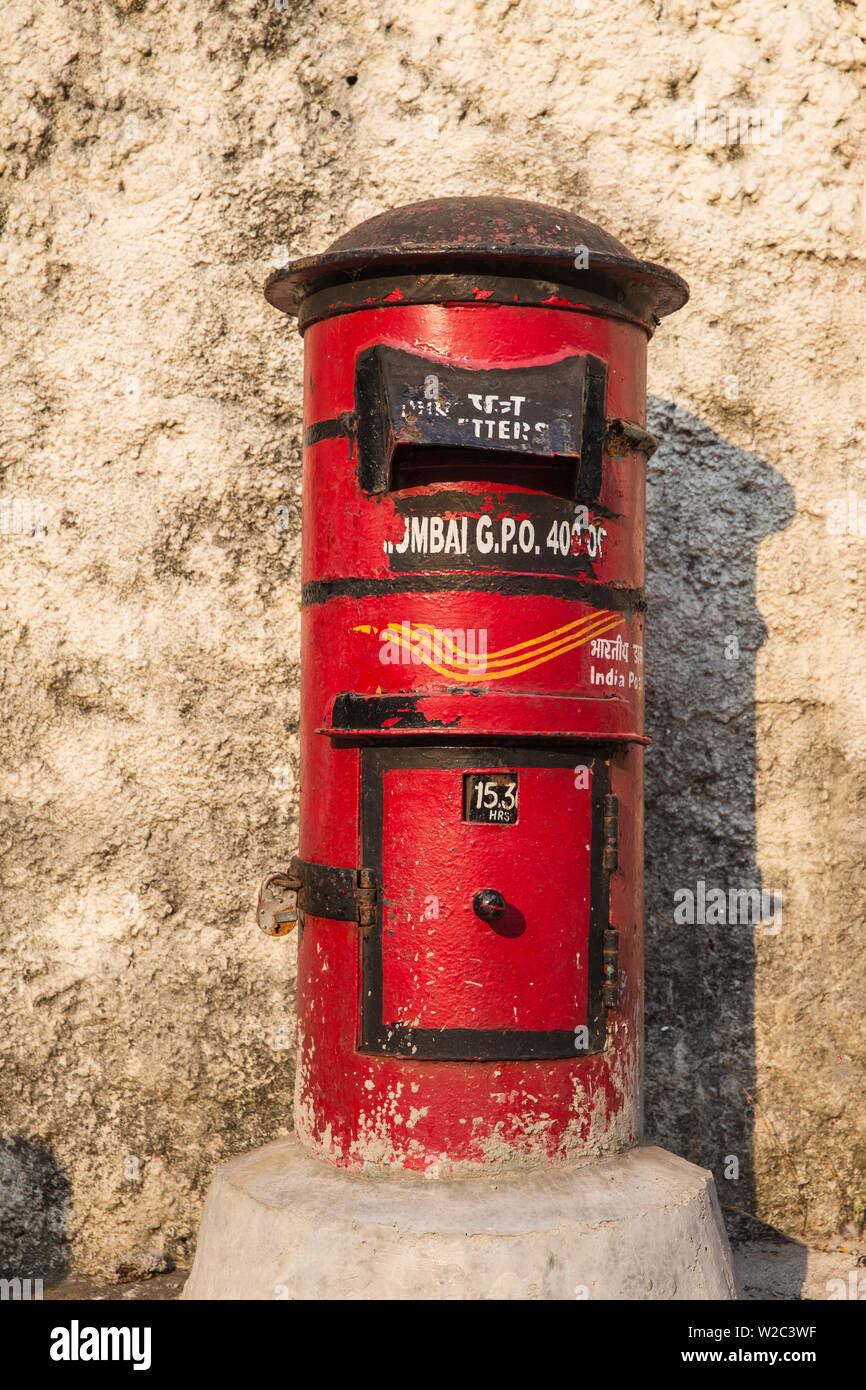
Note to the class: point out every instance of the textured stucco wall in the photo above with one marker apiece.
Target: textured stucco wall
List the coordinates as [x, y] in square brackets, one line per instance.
[155, 159]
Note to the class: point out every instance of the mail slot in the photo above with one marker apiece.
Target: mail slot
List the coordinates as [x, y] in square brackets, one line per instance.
[468, 883]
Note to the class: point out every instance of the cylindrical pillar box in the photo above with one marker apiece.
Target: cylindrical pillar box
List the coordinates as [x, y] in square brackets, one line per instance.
[469, 872]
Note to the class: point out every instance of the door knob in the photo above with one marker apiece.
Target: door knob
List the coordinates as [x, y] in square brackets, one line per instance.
[488, 904]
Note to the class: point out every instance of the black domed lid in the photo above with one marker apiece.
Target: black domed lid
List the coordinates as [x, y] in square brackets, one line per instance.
[503, 236]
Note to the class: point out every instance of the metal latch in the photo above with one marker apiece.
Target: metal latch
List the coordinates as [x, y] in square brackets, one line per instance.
[277, 907]
[316, 890]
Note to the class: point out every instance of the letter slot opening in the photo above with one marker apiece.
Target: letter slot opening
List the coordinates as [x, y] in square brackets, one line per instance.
[423, 421]
[415, 465]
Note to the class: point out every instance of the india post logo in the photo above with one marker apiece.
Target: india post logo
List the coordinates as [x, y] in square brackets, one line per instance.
[461, 654]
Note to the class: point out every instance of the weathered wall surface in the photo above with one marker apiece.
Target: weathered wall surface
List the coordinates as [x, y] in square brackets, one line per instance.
[155, 159]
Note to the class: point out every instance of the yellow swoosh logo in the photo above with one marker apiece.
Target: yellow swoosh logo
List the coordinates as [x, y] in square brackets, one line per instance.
[508, 661]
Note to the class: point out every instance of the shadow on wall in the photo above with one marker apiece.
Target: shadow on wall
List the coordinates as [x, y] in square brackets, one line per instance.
[710, 505]
[34, 1205]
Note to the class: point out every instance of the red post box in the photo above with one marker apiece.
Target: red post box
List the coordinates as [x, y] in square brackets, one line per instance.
[468, 883]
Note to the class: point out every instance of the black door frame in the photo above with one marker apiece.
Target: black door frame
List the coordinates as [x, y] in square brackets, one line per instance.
[477, 1044]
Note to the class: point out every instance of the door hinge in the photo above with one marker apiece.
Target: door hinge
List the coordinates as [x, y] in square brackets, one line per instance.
[610, 853]
[621, 437]
[610, 991]
[366, 898]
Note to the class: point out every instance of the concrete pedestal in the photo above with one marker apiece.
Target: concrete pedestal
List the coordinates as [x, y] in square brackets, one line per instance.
[278, 1223]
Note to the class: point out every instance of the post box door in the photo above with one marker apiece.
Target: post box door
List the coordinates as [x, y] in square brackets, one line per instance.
[516, 973]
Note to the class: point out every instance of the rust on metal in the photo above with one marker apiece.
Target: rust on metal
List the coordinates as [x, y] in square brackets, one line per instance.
[366, 897]
[277, 907]
[601, 294]
[460, 235]
[622, 437]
